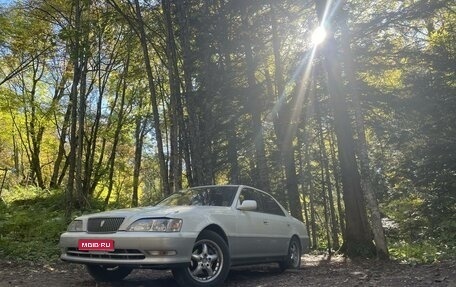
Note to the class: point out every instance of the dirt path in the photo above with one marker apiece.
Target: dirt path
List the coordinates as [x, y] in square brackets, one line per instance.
[315, 271]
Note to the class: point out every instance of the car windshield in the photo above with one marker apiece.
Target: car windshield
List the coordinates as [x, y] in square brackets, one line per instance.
[202, 196]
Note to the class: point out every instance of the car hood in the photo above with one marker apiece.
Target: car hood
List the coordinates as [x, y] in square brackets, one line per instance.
[141, 212]
[191, 214]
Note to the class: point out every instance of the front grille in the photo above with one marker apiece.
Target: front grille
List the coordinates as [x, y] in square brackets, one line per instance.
[118, 254]
[104, 224]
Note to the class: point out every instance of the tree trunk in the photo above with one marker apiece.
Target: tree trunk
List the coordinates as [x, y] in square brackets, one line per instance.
[34, 130]
[304, 181]
[254, 108]
[366, 181]
[153, 98]
[358, 234]
[336, 173]
[285, 126]
[175, 157]
[80, 179]
[313, 223]
[188, 134]
[326, 180]
[94, 151]
[120, 120]
[61, 150]
[140, 132]
[75, 52]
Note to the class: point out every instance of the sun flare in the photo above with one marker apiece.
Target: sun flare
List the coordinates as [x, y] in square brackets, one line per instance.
[318, 35]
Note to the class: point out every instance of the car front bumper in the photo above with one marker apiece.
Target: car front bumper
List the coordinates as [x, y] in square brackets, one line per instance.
[141, 249]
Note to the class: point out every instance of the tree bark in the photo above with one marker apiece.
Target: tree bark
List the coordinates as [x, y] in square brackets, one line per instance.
[75, 49]
[153, 98]
[326, 180]
[94, 168]
[140, 132]
[366, 180]
[120, 120]
[336, 173]
[358, 234]
[254, 108]
[188, 134]
[305, 181]
[34, 130]
[175, 157]
[54, 183]
[285, 126]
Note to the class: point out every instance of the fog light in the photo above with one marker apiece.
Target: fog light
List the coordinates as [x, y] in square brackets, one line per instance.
[162, 252]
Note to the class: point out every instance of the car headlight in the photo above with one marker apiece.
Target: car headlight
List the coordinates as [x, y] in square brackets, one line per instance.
[156, 225]
[75, 226]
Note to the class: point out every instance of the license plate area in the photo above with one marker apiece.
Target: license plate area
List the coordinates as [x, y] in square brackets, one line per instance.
[96, 244]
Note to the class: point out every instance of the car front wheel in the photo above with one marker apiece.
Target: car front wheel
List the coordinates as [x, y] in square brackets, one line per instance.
[106, 273]
[293, 258]
[210, 262]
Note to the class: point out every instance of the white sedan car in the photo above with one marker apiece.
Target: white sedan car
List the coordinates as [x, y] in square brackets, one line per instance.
[198, 233]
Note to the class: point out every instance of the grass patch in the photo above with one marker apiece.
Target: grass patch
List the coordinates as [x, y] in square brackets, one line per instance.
[31, 222]
[421, 252]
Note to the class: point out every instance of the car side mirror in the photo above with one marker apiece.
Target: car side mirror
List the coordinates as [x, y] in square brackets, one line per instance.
[248, 205]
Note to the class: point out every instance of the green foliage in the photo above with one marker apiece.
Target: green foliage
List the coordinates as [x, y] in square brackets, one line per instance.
[421, 252]
[413, 237]
[31, 221]
[405, 212]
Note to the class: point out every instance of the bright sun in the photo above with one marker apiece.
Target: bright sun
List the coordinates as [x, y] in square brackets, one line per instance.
[318, 36]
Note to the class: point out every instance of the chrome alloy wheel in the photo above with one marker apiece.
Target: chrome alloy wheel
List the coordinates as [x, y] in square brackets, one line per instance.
[294, 253]
[206, 261]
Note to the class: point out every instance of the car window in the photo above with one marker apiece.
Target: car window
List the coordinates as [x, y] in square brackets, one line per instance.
[251, 194]
[270, 205]
[265, 202]
[202, 196]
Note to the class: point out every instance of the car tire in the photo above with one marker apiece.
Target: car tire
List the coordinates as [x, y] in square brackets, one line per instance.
[108, 273]
[210, 262]
[293, 258]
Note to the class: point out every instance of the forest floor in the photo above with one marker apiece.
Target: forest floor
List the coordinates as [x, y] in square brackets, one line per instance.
[315, 271]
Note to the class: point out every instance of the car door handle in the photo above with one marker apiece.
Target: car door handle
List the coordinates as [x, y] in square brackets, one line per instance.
[266, 222]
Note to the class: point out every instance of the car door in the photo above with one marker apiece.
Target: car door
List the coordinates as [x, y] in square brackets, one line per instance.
[251, 226]
[278, 229]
